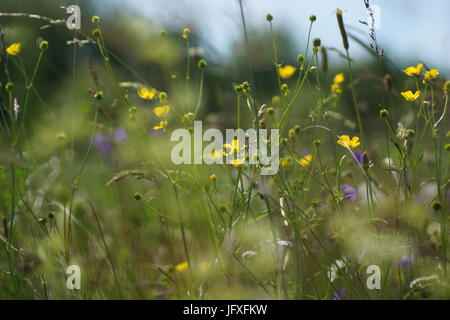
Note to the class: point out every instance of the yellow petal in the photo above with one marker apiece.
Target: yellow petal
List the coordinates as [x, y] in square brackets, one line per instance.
[306, 160]
[14, 49]
[146, 94]
[182, 266]
[287, 71]
[161, 111]
[160, 125]
[339, 78]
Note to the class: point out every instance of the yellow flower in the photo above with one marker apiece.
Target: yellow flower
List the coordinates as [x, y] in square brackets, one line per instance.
[335, 88]
[306, 160]
[14, 49]
[186, 32]
[234, 147]
[161, 111]
[146, 94]
[182, 267]
[237, 162]
[431, 74]
[413, 71]
[339, 78]
[160, 125]
[286, 71]
[409, 96]
[285, 161]
[347, 143]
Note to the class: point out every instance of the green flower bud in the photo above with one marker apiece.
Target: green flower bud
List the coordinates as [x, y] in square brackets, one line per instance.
[447, 147]
[9, 86]
[317, 42]
[163, 97]
[222, 208]
[162, 33]
[313, 69]
[137, 196]
[384, 114]
[270, 111]
[96, 33]
[300, 58]
[95, 19]
[316, 143]
[43, 45]
[297, 128]
[202, 64]
[447, 86]
[437, 205]
[98, 95]
[269, 17]
[312, 18]
[61, 136]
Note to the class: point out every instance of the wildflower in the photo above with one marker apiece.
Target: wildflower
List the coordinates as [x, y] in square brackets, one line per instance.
[359, 156]
[161, 111]
[186, 32]
[306, 160]
[336, 267]
[233, 147]
[339, 294]
[337, 81]
[182, 267]
[339, 78]
[146, 94]
[413, 71]
[160, 125]
[238, 162]
[102, 143]
[349, 192]
[284, 162]
[120, 135]
[213, 178]
[14, 49]
[335, 88]
[287, 71]
[346, 142]
[409, 96]
[405, 261]
[431, 74]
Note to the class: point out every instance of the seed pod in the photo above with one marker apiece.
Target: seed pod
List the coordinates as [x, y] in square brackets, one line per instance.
[340, 21]
[324, 54]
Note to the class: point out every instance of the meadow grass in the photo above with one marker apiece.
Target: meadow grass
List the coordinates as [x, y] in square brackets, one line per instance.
[91, 183]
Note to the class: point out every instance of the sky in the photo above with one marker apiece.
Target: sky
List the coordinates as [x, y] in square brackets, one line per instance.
[410, 30]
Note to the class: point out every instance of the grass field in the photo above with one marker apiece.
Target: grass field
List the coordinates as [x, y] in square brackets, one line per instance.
[93, 207]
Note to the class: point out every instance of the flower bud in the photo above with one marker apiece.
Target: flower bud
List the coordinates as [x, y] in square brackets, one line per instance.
[270, 111]
[384, 114]
[213, 178]
[437, 205]
[269, 17]
[43, 45]
[95, 19]
[98, 95]
[202, 64]
[137, 196]
[300, 58]
[9, 86]
[96, 33]
[317, 42]
[312, 18]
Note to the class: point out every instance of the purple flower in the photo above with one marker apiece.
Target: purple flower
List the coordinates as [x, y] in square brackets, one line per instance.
[120, 135]
[339, 294]
[359, 156]
[103, 143]
[349, 192]
[405, 261]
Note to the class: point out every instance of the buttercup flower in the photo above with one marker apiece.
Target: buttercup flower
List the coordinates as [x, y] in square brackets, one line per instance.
[14, 49]
[306, 160]
[161, 111]
[346, 142]
[182, 267]
[409, 96]
[339, 78]
[160, 125]
[335, 88]
[337, 81]
[431, 74]
[285, 161]
[233, 147]
[414, 71]
[287, 71]
[237, 162]
[146, 94]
